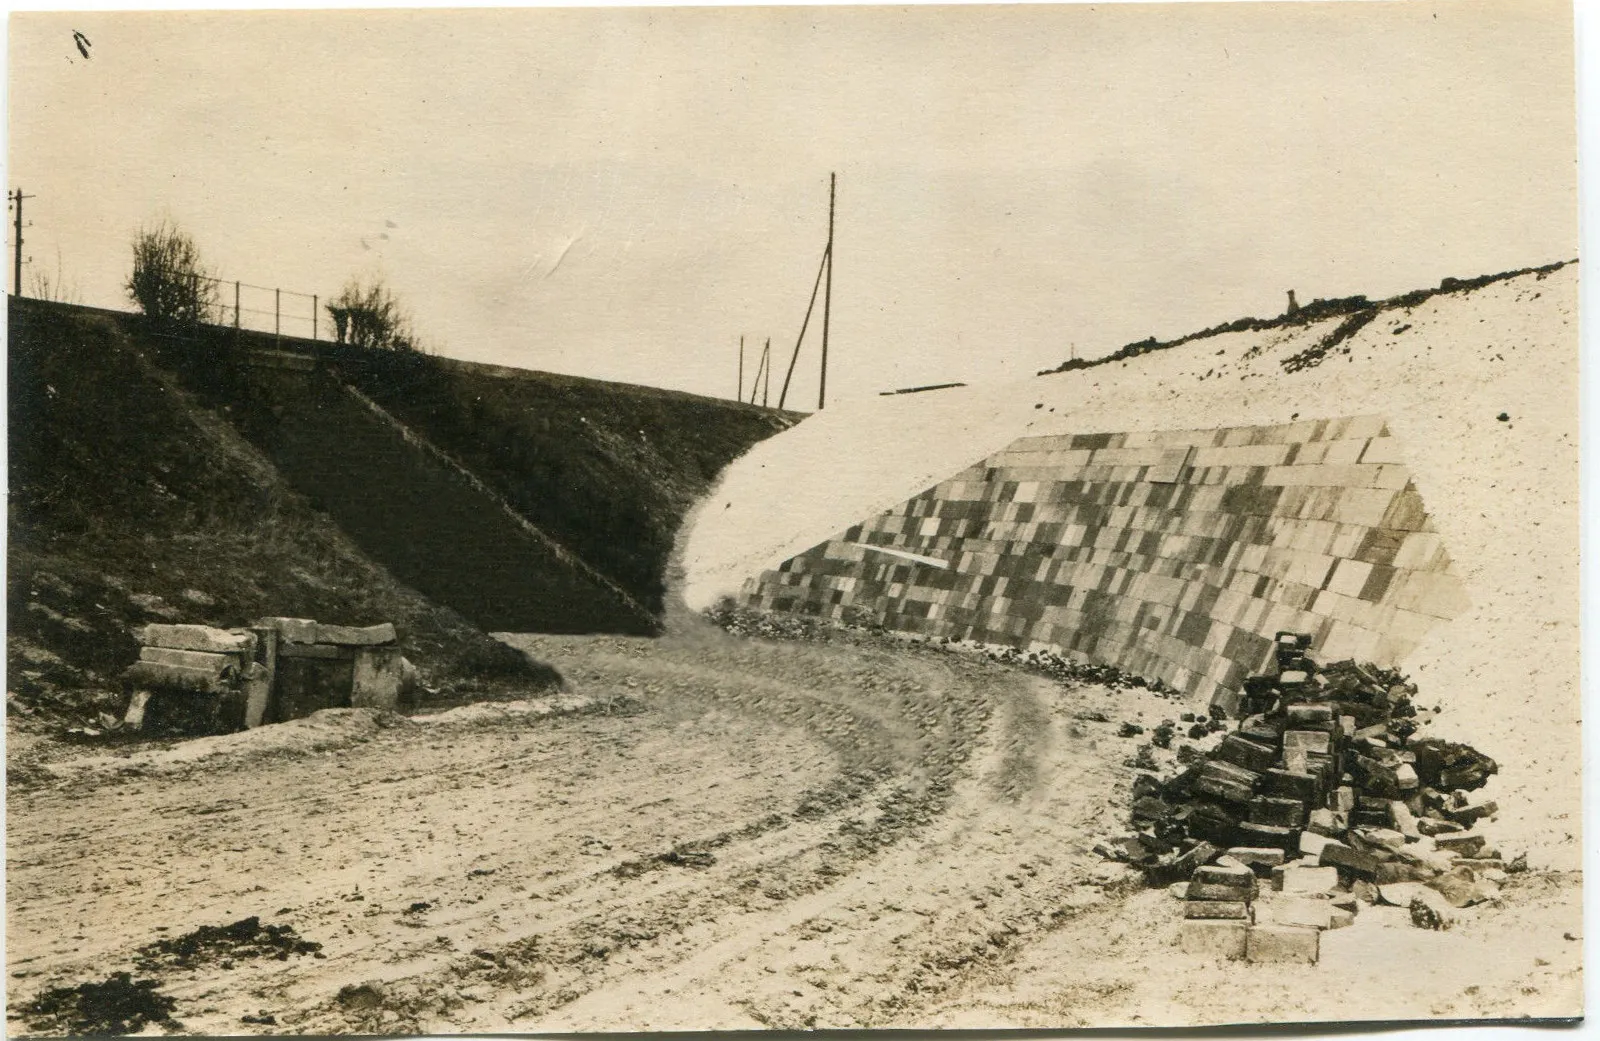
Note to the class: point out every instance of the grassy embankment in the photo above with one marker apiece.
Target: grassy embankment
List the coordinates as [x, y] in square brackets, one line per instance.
[131, 502]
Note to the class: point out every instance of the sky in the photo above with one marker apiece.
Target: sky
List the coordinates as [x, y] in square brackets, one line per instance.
[624, 193]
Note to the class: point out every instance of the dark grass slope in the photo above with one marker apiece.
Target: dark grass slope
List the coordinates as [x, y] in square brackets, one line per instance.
[431, 525]
[133, 501]
[607, 469]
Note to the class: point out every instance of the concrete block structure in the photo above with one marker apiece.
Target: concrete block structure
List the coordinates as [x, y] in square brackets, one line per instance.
[1174, 555]
[279, 669]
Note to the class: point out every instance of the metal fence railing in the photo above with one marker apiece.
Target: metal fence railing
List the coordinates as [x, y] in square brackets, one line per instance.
[267, 309]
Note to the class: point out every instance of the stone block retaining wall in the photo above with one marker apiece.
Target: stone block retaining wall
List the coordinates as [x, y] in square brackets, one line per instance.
[1175, 555]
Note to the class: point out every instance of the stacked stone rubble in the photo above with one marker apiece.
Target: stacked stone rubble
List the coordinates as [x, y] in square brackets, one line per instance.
[1323, 793]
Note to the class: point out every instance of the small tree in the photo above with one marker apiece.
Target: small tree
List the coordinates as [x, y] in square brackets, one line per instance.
[53, 287]
[169, 283]
[369, 315]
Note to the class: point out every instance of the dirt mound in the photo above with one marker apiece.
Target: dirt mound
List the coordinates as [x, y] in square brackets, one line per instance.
[324, 731]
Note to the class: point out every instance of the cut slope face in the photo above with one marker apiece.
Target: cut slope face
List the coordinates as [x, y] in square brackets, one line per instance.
[426, 520]
[607, 469]
[1501, 492]
[1174, 555]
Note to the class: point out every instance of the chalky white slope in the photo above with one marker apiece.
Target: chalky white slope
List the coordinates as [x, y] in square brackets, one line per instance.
[1502, 493]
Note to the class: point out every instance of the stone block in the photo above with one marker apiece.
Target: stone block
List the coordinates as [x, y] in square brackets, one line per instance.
[291, 630]
[1393, 871]
[1327, 822]
[1312, 843]
[1308, 740]
[1246, 753]
[1282, 944]
[134, 718]
[355, 636]
[1404, 821]
[1226, 781]
[1463, 887]
[1225, 874]
[1233, 909]
[1257, 856]
[1473, 812]
[1268, 809]
[1387, 838]
[1224, 788]
[257, 685]
[207, 660]
[1342, 799]
[1214, 938]
[1309, 712]
[1300, 879]
[1337, 854]
[377, 678]
[1274, 835]
[1220, 891]
[149, 675]
[197, 638]
[1435, 827]
[1290, 784]
[1306, 911]
[1399, 894]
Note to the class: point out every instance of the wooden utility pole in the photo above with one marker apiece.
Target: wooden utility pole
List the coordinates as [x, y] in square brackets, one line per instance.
[740, 396]
[766, 388]
[17, 197]
[827, 300]
[825, 268]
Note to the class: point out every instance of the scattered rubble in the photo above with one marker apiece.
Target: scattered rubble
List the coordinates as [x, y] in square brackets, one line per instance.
[1321, 799]
[246, 938]
[743, 621]
[119, 1005]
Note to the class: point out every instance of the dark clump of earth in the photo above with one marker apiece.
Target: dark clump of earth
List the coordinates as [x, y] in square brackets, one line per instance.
[119, 1005]
[246, 938]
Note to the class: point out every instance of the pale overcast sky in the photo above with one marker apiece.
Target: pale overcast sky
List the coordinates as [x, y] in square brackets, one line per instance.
[622, 193]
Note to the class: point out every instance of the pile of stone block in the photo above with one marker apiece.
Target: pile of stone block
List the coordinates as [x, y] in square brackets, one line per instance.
[200, 679]
[1325, 794]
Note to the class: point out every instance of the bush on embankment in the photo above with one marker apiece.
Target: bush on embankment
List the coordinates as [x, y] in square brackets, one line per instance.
[132, 502]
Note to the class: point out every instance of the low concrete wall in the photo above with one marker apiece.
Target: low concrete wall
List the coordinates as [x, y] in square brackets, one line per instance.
[1175, 555]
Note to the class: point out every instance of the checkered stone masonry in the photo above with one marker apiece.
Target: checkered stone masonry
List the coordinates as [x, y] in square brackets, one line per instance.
[1175, 555]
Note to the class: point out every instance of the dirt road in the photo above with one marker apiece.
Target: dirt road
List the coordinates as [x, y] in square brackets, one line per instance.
[705, 833]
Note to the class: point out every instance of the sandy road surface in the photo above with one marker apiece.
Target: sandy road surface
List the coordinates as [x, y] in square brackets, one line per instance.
[764, 834]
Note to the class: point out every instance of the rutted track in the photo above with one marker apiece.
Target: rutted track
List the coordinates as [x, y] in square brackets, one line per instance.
[776, 834]
[754, 834]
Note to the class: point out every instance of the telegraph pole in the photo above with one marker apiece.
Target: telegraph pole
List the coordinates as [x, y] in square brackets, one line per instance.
[827, 300]
[17, 197]
[740, 396]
